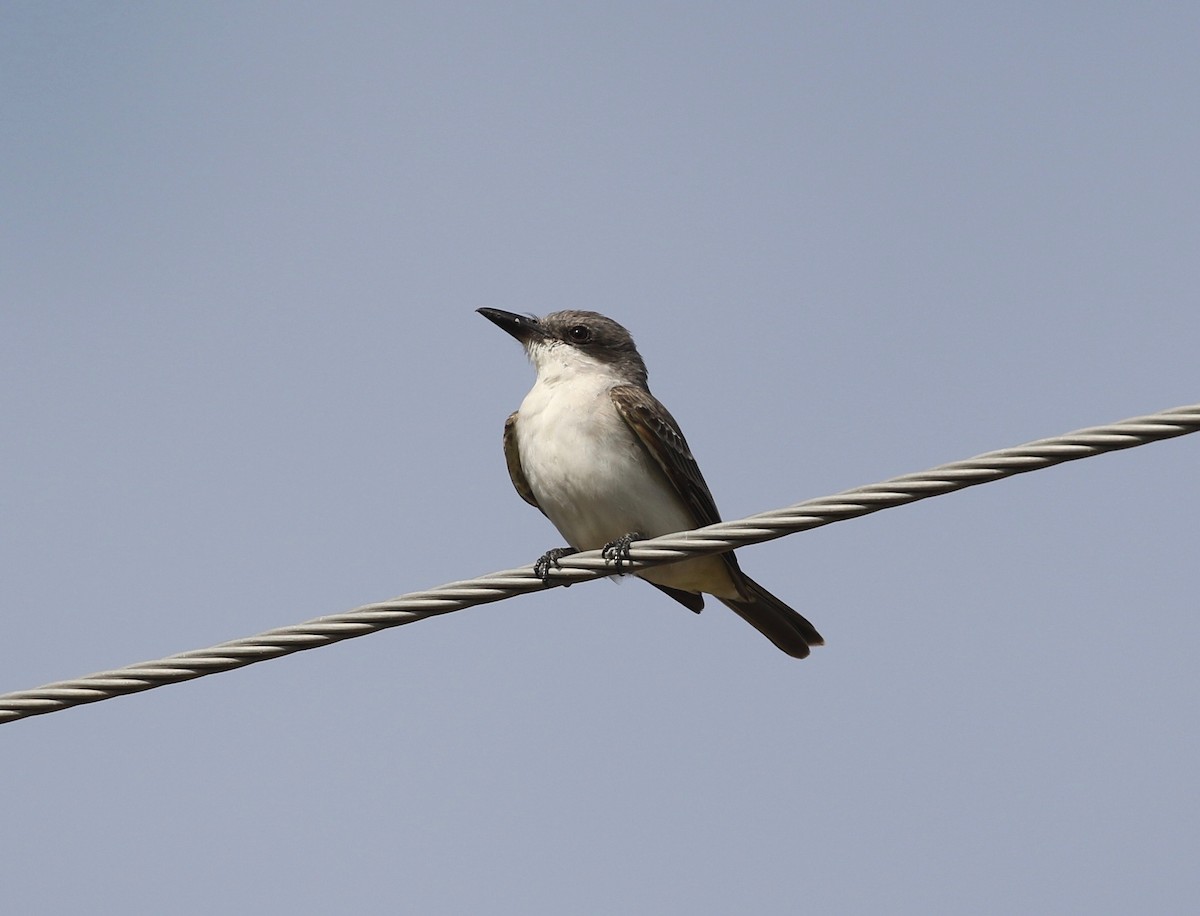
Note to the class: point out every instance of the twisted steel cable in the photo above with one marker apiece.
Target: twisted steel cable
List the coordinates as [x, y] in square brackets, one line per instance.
[813, 513]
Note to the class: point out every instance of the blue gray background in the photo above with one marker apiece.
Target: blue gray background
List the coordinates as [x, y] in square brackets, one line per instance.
[243, 385]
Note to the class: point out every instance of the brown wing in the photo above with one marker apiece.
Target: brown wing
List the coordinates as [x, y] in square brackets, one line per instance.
[512, 457]
[660, 434]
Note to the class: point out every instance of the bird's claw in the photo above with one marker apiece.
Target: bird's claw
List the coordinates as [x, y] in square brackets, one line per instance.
[541, 568]
[618, 551]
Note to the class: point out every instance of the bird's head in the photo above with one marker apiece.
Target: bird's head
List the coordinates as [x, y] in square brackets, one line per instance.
[572, 342]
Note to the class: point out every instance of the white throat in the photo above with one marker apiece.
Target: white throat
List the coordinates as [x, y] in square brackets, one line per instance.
[560, 364]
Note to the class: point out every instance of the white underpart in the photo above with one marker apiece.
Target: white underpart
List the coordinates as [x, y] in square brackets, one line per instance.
[589, 472]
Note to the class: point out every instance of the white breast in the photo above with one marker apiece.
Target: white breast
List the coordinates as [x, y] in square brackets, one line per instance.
[594, 479]
[588, 472]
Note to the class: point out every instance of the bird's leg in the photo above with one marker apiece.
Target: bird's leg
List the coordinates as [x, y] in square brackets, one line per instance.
[541, 568]
[618, 550]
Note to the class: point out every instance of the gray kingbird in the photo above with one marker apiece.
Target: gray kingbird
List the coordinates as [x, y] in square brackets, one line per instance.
[599, 456]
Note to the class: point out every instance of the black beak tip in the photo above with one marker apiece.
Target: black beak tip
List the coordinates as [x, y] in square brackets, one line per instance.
[517, 325]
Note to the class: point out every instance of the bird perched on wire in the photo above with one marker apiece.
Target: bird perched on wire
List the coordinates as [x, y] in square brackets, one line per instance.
[596, 452]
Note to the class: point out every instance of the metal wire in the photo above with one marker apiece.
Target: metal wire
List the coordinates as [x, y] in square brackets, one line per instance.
[718, 538]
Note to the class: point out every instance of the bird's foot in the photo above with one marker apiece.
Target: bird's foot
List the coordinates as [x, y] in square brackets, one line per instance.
[618, 551]
[541, 568]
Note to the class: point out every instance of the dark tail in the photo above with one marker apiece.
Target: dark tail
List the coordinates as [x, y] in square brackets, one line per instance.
[774, 619]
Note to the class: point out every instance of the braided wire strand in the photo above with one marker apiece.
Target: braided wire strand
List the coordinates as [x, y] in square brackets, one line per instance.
[453, 596]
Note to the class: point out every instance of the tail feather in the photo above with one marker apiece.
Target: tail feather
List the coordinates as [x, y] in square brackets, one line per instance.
[774, 619]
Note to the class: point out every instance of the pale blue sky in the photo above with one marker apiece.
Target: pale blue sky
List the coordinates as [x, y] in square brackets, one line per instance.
[242, 384]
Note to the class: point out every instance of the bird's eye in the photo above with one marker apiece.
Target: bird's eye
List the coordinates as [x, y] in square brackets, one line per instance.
[580, 333]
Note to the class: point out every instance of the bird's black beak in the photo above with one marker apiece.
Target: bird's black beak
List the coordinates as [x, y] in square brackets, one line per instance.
[521, 327]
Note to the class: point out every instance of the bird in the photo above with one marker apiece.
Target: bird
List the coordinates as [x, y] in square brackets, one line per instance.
[594, 451]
